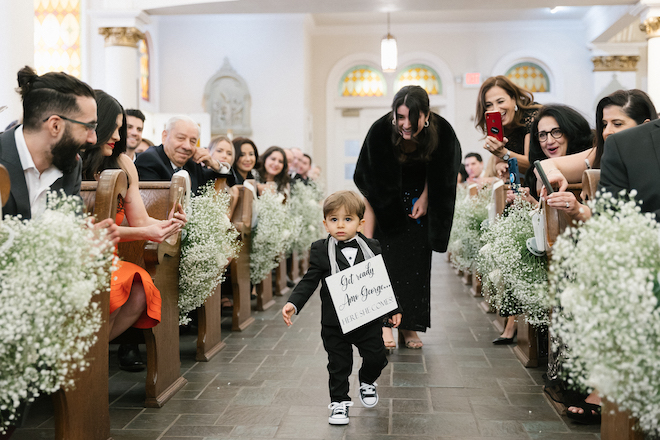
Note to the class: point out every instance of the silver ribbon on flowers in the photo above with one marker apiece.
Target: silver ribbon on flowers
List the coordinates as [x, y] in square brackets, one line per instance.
[332, 252]
[10, 240]
[536, 244]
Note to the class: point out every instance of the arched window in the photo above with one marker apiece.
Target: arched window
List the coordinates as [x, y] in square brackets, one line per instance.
[143, 48]
[529, 76]
[362, 81]
[419, 75]
[57, 36]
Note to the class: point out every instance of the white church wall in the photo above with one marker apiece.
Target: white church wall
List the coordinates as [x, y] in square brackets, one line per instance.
[267, 51]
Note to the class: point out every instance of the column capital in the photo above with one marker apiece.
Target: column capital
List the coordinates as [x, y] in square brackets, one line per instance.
[618, 63]
[121, 36]
[651, 26]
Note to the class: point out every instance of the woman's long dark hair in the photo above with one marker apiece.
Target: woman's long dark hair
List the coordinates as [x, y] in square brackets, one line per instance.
[576, 131]
[282, 179]
[417, 101]
[94, 162]
[634, 103]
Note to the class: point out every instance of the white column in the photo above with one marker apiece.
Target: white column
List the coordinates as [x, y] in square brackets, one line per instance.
[652, 27]
[16, 51]
[122, 73]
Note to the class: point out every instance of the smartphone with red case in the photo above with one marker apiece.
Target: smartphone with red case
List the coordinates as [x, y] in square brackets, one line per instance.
[494, 125]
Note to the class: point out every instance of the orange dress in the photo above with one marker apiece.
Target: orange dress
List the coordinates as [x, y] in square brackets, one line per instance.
[122, 282]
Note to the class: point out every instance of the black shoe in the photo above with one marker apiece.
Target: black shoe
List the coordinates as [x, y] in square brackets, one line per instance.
[129, 358]
[503, 341]
[290, 283]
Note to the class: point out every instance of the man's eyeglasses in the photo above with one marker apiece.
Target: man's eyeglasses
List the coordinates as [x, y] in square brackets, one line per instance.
[91, 126]
[556, 133]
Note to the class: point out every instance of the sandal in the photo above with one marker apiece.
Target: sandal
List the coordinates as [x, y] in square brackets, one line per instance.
[587, 417]
[413, 344]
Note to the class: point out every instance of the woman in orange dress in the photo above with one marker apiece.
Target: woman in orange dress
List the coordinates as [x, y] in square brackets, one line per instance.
[134, 299]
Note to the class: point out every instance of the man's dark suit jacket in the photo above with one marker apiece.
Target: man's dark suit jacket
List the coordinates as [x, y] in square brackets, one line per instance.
[19, 199]
[153, 165]
[631, 160]
[319, 269]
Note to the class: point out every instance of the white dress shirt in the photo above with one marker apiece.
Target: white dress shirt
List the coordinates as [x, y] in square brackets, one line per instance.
[38, 184]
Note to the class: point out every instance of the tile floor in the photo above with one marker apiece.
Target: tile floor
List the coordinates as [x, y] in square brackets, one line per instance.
[271, 382]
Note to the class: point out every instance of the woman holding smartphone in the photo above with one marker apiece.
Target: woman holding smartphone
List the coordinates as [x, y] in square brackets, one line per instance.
[407, 172]
[517, 107]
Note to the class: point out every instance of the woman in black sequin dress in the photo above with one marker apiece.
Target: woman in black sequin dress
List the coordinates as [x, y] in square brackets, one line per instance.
[407, 173]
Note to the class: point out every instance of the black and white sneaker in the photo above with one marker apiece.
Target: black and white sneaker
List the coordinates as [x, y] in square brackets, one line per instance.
[368, 394]
[339, 413]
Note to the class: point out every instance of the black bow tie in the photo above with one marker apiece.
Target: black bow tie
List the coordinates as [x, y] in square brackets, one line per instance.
[346, 244]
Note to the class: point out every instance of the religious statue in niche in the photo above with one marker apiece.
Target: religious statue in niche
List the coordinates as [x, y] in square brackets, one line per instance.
[227, 100]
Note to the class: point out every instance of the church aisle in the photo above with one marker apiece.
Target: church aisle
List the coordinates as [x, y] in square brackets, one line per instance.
[271, 382]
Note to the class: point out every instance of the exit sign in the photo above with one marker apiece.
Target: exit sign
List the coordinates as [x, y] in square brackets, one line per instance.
[472, 79]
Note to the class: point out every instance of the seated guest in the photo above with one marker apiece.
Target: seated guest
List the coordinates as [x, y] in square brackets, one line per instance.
[134, 299]
[304, 165]
[272, 171]
[462, 174]
[222, 150]
[474, 165]
[315, 173]
[134, 127]
[245, 158]
[178, 151]
[59, 118]
[294, 166]
[144, 145]
[291, 160]
[619, 111]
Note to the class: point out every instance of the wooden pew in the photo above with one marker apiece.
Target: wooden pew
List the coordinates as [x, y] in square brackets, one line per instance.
[5, 186]
[240, 266]
[161, 260]
[294, 271]
[590, 179]
[83, 413]
[280, 278]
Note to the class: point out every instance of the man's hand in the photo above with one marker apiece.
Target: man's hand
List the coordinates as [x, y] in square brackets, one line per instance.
[202, 155]
[287, 312]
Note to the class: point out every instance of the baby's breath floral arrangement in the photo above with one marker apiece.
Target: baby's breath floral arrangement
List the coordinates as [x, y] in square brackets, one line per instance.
[50, 269]
[305, 203]
[469, 214]
[605, 273]
[209, 242]
[515, 278]
[273, 234]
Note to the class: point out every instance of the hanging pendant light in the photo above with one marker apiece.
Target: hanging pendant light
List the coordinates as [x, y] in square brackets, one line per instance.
[388, 51]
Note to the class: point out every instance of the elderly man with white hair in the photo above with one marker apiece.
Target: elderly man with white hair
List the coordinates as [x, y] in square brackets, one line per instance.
[179, 151]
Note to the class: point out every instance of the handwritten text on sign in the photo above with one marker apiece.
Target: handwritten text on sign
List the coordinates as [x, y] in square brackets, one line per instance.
[361, 293]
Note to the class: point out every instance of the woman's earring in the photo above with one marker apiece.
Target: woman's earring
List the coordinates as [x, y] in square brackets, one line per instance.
[515, 109]
[426, 124]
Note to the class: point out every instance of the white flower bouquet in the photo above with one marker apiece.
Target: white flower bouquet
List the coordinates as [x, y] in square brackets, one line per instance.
[272, 236]
[606, 276]
[209, 242]
[305, 203]
[465, 240]
[50, 269]
[515, 278]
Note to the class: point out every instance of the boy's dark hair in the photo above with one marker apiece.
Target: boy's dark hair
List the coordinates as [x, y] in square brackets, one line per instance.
[135, 113]
[349, 200]
[53, 93]
[475, 155]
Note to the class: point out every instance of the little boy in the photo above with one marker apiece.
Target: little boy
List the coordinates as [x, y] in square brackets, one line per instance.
[343, 214]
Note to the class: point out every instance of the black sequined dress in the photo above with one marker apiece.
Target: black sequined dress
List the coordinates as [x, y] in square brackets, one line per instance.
[407, 254]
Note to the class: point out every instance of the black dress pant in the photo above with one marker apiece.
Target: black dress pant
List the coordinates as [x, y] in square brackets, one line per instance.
[369, 342]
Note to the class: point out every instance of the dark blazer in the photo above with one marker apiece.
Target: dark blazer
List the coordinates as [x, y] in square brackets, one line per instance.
[378, 176]
[319, 269]
[153, 165]
[631, 160]
[19, 199]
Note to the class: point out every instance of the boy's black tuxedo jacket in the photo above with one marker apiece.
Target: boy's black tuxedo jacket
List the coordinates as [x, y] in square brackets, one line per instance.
[319, 269]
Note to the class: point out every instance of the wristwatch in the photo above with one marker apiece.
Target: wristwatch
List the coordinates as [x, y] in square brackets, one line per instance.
[506, 156]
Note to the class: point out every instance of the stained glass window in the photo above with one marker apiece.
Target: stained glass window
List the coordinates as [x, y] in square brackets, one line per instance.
[419, 75]
[530, 77]
[143, 47]
[362, 81]
[57, 36]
